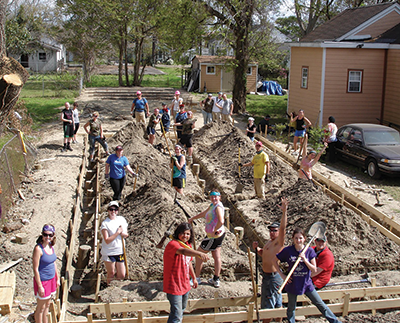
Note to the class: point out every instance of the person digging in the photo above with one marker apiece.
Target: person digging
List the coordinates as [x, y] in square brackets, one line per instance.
[261, 169]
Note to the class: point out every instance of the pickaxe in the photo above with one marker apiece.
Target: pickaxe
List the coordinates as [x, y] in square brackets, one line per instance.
[366, 279]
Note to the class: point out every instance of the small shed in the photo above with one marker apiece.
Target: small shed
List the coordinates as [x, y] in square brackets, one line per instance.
[213, 74]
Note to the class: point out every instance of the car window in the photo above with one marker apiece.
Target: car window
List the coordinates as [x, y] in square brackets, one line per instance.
[356, 135]
[345, 132]
[382, 138]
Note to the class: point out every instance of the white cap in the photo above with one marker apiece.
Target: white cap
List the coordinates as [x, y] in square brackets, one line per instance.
[251, 118]
[113, 203]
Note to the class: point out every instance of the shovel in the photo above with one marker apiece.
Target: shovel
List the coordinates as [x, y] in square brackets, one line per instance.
[317, 231]
[296, 165]
[239, 186]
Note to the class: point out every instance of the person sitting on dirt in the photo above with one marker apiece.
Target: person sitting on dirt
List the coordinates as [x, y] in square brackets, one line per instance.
[262, 168]
[113, 229]
[178, 165]
[181, 115]
[46, 278]
[151, 127]
[301, 126]
[226, 107]
[175, 104]
[76, 114]
[187, 133]
[215, 231]
[178, 268]
[325, 263]
[271, 281]
[208, 104]
[216, 111]
[165, 118]
[330, 138]
[251, 129]
[309, 160]
[300, 282]
[95, 131]
[115, 171]
[140, 108]
[67, 116]
[264, 125]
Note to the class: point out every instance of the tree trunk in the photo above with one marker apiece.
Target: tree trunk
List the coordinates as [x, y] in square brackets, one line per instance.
[3, 8]
[126, 55]
[138, 59]
[120, 57]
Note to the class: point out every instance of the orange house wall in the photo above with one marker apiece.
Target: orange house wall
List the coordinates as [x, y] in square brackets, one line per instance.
[382, 25]
[391, 111]
[353, 107]
[306, 99]
[252, 80]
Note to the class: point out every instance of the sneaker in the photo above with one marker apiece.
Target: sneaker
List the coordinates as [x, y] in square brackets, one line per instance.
[69, 148]
[74, 141]
[215, 283]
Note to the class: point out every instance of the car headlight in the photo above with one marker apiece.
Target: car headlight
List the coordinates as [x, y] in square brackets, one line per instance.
[390, 161]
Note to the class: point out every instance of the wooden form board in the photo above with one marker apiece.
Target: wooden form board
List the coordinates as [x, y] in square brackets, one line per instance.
[375, 218]
[7, 289]
[240, 301]
[251, 314]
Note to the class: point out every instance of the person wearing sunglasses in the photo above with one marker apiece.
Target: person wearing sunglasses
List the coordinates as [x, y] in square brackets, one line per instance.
[113, 229]
[271, 280]
[46, 278]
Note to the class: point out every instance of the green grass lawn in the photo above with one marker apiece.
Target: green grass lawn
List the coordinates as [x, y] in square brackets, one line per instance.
[261, 105]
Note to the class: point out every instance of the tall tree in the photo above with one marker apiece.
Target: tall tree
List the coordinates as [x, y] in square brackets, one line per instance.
[239, 17]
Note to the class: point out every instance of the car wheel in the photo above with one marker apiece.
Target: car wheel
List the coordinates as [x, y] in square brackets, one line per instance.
[372, 169]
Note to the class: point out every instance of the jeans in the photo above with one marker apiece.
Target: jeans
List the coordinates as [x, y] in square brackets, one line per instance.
[316, 300]
[269, 291]
[207, 117]
[178, 304]
[117, 186]
[92, 141]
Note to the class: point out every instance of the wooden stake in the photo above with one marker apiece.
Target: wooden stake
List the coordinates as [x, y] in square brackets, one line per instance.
[96, 298]
[373, 284]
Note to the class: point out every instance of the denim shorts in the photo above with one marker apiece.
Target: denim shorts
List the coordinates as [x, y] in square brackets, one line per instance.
[300, 133]
[270, 298]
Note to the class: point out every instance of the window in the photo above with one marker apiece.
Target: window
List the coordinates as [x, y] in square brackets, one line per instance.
[304, 77]
[42, 56]
[354, 81]
[210, 70]
[249, 70]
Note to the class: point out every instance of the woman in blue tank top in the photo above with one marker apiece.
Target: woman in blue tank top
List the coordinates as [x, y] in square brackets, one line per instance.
[46, 279]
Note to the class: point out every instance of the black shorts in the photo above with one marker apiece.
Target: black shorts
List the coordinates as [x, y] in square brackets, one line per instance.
[151, 131]
[210, 244]
[178, 182]
[68, 130]
[187, 140]
[116, 258]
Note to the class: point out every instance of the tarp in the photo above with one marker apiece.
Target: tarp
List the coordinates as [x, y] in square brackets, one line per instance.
[270, 88]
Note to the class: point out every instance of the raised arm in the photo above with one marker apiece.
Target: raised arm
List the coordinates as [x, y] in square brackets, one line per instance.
[315, 160]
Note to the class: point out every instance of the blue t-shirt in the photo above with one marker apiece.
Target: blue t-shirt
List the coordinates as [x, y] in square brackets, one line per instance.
[117, 166]
[140, 105]
[301, 277]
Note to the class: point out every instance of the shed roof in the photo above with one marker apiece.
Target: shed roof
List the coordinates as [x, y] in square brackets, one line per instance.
[345, 22]
[218, 60]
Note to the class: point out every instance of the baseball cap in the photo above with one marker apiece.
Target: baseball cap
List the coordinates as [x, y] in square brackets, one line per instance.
[259, 143]
[138, 92]
[95, 114]
[251, 118]
[119, 147]
[177, 92]
[209, 94]
[274, 225]
[113, 203]
[323, 238]
[267, 116]
[219, 93]
[181, 105]
[163, 104]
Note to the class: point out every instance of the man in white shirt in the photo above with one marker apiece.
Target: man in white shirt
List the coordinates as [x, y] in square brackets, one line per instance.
[216, 111]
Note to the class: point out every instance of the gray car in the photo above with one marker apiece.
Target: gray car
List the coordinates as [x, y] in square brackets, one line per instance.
[375, 148]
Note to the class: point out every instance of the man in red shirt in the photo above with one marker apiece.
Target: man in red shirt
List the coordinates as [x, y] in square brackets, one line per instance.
[325, 263]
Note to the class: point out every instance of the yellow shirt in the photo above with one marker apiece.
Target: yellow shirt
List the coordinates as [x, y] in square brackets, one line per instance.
[259, 161]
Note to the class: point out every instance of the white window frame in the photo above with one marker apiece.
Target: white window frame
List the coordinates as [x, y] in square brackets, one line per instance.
[354, 77]
[304, 78]
[210, 73]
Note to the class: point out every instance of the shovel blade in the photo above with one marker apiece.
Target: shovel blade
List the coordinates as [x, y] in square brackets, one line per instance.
[239, 188]
[317, 230]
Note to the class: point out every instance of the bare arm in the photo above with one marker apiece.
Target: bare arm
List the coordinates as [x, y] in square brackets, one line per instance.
[220, 222]
[101, 131]
[200, 215]
[107, 169]
[319, 270]
[257, 249]
[86, 127]
[108, 239]
[231, 111]
[308, 122]
[37, 253]
[268, 164]
[304, 152]
[316, 159]
[292, 119]
[312, 265]
[130, 170]
[133, 106]
[147, 108]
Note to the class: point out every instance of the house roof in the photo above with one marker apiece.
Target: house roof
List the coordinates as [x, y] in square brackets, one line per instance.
[217, 60]
[345, 22]
[392, 36]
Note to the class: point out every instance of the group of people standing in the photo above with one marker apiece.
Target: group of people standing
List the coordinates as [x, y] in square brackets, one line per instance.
[217, 108]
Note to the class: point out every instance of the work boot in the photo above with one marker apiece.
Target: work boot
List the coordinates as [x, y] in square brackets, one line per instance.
[64, 148]
[69, 147]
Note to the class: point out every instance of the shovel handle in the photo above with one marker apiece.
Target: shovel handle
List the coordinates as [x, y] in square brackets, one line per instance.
[296, 263]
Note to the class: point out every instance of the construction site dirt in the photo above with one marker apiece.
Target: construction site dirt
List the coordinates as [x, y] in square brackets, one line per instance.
[150, 210]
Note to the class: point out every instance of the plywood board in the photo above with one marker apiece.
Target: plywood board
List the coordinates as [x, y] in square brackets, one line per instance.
[7, 288]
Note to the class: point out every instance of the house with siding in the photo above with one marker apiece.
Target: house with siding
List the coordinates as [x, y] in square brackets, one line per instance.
[349, 68]
[213, 74]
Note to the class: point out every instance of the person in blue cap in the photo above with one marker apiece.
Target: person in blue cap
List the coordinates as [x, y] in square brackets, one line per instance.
[215, 231]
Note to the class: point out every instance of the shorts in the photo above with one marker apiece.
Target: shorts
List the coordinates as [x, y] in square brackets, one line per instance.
[151, 131]
[187, 140]
[50, 288]
[178, 182]
[270, 298]
[115, 258]
[210, 244]
[68, 130]
[76, 128]
[300, 133]
[140, 116]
